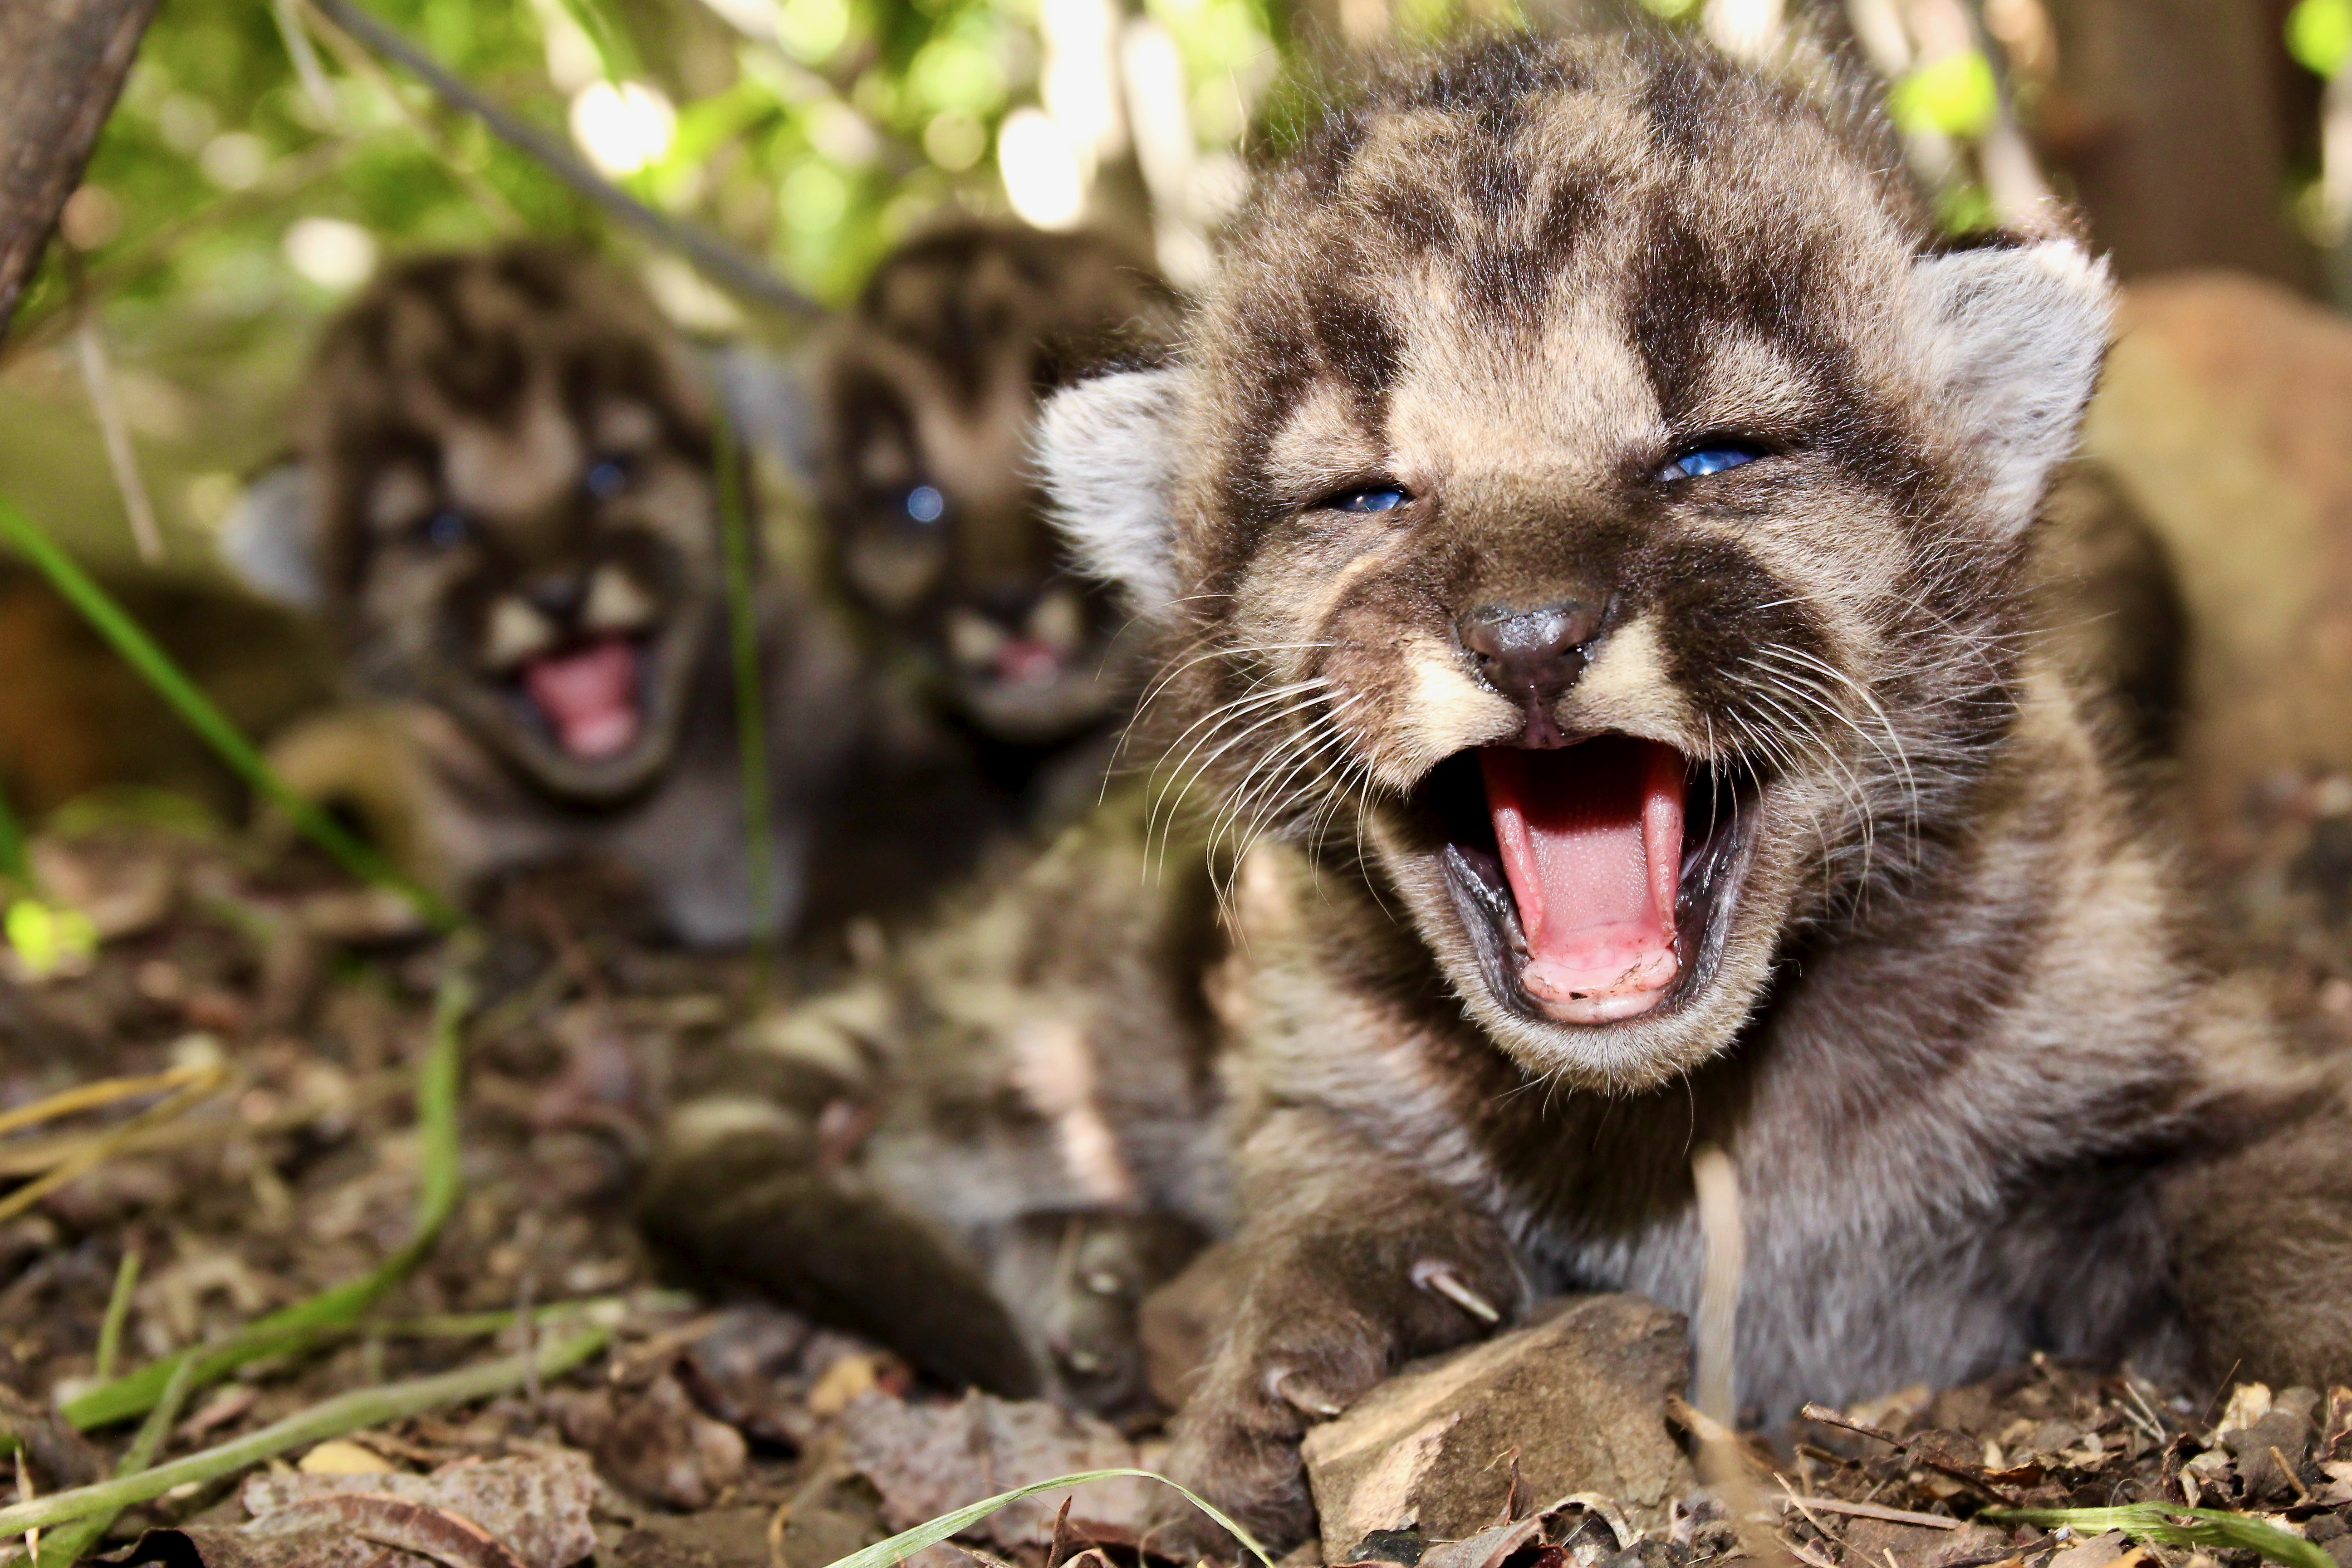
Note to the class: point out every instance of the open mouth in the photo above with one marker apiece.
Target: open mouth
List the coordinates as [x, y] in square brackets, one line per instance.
[590, 697]
[1027, 661]
[1595, 880]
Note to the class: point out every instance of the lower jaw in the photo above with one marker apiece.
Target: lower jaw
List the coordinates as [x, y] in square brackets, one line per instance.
[1602, 995]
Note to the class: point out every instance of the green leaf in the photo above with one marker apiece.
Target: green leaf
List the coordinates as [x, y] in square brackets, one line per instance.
[2175, 1526]
[2319, 34]
[46, 937]
[907, 1543]
[1957, 95]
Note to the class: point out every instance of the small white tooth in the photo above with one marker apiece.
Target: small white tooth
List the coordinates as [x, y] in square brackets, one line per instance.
[514, 634]
[615, 603]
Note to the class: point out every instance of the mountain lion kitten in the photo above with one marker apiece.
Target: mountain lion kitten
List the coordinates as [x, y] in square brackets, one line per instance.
[506, 506]
[990, 1147]
[1587, 519]
[935, 528]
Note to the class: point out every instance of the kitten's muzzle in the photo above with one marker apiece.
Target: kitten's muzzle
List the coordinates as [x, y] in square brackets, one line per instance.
[1533, 657]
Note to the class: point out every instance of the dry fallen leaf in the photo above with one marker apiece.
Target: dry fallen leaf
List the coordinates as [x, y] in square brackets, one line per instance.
[344, 1529]
[536, 1503]
[654, 1442]
[928, 1459]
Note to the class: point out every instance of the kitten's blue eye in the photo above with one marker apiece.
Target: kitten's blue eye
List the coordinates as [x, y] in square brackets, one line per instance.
[607, 479]
[925, 504]
[1374, 498]
[446, 528]
[1708, 460]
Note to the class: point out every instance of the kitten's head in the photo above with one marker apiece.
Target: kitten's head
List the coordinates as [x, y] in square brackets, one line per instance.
[934, 520]
[508, 465]
[1591, 492]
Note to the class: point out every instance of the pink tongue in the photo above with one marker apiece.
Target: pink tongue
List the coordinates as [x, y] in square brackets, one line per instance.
[1591, 842]
[1025, 660]
[590, 696]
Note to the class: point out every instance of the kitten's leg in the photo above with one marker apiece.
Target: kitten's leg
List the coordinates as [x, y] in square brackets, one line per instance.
[744, 1199]
[2262, 1246]
[1355, 1263]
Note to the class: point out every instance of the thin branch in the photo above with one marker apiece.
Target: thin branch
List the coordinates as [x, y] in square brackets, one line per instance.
[723, 263]
[121, 458]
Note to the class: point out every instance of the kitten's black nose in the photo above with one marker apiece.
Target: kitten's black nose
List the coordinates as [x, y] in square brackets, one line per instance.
[1532, 656]
[559, 594]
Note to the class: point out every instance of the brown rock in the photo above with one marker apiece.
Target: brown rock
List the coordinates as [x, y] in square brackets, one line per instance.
[1581, 1399]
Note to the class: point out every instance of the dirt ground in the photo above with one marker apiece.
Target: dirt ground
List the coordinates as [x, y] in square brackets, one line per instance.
[733, 1433]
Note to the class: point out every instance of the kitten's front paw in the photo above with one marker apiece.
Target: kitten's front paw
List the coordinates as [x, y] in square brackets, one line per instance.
[1314, 1334]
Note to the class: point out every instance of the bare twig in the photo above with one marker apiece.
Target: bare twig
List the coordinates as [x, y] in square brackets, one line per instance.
[1829, 1418]
[114, 431]
[100, 1148]
[104, 1091]
[361, 65]
[1870, 1510]
[724, 264]
[1717, 1324]
[1721, 1460]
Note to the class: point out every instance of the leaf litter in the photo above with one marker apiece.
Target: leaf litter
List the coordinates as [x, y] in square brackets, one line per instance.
[724, 1433]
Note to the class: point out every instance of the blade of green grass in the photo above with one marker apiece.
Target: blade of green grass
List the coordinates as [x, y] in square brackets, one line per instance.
[118, 1308]
[331, 1418]
[65, 1546]
[751, 717]
[907, 1543]
[437, 1122]
[2176, 1526]
[142, 653]
[12, 846]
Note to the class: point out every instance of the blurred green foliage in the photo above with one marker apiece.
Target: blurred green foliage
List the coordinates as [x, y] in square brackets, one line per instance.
[2319, 34]
[813, 132]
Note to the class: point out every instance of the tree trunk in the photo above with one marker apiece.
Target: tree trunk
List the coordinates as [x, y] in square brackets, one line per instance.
[61, 64]
[2170, 121]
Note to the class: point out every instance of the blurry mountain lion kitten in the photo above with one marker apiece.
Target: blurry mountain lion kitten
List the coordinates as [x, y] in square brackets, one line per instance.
[935, 530]
[506, 506]
[987, 1150]
[1588, 519]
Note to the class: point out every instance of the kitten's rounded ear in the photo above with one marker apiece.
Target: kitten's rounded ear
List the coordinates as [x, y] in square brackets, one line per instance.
[1108, 450]
[270, 539]
[2015, 338]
